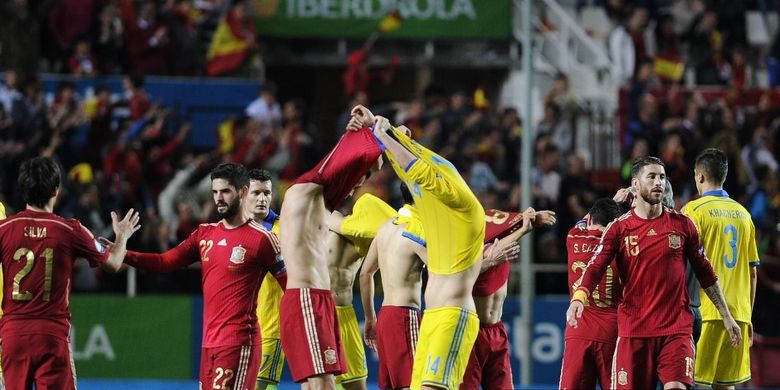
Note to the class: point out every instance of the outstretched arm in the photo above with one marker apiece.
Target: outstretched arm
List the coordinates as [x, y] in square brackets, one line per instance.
[370, 266]
[508, 248]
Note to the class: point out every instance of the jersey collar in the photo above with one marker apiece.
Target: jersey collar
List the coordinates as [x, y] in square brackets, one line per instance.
[718, 193]
[269, 220]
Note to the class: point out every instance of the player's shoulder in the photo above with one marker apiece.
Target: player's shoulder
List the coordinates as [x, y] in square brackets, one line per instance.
[264, 233]
[621, 220]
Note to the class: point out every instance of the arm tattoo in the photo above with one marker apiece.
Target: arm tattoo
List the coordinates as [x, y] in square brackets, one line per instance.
[716, 296]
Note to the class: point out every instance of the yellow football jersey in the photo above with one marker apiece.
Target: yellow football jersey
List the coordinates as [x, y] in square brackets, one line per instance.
[268, 300]
[368, 215]
[728, 236]
[451, 215]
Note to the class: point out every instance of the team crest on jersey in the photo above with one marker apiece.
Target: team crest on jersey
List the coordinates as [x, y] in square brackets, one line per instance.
[237, 256]
[330, 356]
[622, 377]
[674, 241]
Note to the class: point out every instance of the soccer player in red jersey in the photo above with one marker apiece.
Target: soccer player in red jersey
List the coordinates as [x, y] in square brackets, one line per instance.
[235, 255]
[309, 328]
[38, 249]
[588, 349]
[489, 364]
[649, 245]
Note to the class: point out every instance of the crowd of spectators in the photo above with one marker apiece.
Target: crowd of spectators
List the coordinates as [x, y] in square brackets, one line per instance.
[708, 39]
[121, 152]
[114, 37]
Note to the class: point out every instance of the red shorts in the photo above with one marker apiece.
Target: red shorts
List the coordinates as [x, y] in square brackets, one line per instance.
[585, 362]
[40, 359]
[310, 333]
[233, 367]
[397, 330]
[343, 168]
[639, 362]
[489, 362]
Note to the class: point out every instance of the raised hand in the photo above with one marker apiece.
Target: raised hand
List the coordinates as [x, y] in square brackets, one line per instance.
[545, 218]
[361, 117]
[125, 227]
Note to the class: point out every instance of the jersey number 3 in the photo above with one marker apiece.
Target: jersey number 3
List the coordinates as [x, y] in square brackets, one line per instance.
[732, 231]
[29, 258]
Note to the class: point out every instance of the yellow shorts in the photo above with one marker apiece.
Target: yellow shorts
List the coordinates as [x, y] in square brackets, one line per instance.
[271, 362]
[352, 342]
[447, 335]
[716, 360]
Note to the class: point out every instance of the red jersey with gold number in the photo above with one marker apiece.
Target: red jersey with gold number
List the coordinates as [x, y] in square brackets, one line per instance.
[38, 250]
[234, 263]
[599, 320]
[651, 259]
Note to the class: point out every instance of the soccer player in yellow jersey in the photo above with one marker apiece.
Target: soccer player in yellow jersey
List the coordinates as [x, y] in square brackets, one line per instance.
[454, 224]
[347, 243]
[258, 207]
[728, 236]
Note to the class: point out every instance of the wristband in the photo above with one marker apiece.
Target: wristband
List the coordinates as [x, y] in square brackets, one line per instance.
[579, 296]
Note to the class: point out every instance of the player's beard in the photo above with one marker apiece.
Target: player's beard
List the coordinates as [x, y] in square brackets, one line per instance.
[231, 211]
[647, 196]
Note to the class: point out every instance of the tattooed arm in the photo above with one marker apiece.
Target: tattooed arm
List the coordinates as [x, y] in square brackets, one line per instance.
[716, 296]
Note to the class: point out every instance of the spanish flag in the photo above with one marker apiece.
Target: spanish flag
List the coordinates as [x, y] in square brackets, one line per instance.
[228, 47]
[669, 69]
[391, 22]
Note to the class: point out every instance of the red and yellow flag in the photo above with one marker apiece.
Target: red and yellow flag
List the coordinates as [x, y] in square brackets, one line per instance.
[228, 47]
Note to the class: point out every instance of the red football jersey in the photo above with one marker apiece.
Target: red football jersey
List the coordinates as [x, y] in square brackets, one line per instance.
[234, 263]
[651, 259]
[345, 165]
[599, 320]
[38, 250]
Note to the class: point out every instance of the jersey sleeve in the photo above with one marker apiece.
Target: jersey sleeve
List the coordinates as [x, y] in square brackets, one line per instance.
[752, 249]
[694, 252]
[86, 246]
[181, 256]
[275, 261]
[606, 251]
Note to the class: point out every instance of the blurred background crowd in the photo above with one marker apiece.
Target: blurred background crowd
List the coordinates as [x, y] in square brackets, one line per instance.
[122, 150]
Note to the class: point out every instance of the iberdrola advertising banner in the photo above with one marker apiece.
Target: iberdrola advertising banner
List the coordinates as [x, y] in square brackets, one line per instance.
[414, 19]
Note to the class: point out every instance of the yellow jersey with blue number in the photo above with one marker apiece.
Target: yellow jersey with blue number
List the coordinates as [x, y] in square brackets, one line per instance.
[728, 236]
[368, 215]
[451, 215]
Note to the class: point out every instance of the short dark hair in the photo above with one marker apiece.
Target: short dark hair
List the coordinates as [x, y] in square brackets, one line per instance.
[604, 211]
[39, 179]
[234, 173]
[259, 174]
[641, 162]
[406, 194]
[714, 164]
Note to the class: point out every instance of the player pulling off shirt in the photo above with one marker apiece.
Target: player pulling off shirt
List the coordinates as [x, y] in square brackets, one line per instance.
[310, 331]
[454, 224]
